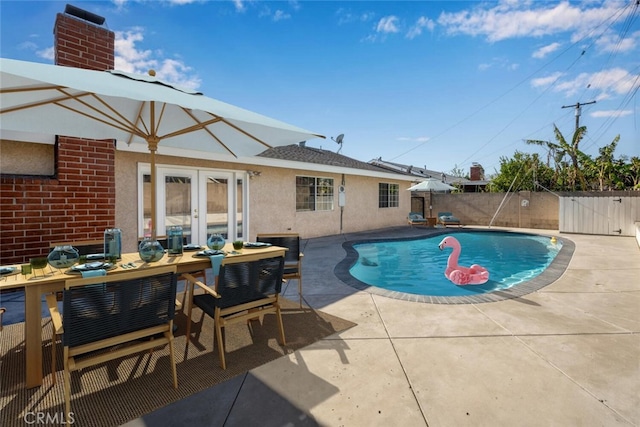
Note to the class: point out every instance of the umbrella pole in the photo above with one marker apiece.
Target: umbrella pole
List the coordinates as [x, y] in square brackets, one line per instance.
[152, 142]
[153, 146]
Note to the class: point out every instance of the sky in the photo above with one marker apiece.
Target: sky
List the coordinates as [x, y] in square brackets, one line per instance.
[434, 84]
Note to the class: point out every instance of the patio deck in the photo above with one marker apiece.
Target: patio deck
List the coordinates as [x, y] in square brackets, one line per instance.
[567, 354]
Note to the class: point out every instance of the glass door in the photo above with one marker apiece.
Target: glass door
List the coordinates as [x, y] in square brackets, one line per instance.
[224, 203]
[203, 202]
[177, 201]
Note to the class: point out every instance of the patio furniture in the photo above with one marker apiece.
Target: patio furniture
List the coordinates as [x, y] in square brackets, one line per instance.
[415, 218]
[126, 313]
[246, 290]
[447, 218]
[292, 258]
[35, 288]
[2, 311]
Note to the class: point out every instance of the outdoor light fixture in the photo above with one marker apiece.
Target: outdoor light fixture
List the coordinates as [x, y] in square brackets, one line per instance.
[253, 173]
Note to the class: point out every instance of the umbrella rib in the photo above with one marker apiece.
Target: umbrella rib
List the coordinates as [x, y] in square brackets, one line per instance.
[118, 121]
[203, 126]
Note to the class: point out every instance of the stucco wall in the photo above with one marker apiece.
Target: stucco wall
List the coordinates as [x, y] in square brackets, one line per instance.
[272, 197]
[271, 200]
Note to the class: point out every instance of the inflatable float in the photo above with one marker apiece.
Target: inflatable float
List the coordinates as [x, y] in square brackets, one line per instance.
[474, 275]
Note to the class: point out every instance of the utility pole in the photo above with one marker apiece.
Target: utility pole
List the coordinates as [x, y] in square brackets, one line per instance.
[577, 106]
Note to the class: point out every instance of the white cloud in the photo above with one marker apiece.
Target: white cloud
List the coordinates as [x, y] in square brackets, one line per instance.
[279, 15]
[387, 24]
[523, 19]
[602, 83]
[545, 50]
[610, 42]
[421, 24]
[611, 113]
[546, 81]
[239, 5]
[131, 59]
[47, 53]
[346, 17]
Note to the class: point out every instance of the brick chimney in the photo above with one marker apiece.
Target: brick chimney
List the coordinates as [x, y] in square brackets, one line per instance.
[80, 41]
[476, 172]
[78, 202]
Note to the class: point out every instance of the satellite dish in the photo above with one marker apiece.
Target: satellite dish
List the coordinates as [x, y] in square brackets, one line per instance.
[338, 140]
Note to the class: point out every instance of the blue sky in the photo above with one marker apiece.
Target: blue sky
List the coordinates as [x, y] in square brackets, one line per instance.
[440, 84]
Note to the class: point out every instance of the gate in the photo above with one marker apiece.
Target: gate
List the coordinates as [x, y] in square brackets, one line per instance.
[599, 214]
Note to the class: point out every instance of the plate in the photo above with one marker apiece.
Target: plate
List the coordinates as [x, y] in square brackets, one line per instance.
[4, 271]
[90, 266]
[95, 256]
[208, 253]
[191, 247]
[255, 245]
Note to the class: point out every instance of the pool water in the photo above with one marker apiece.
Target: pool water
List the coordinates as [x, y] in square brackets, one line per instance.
[417, 266]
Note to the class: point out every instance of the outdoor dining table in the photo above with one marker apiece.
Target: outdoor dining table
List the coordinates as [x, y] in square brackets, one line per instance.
[53, 280]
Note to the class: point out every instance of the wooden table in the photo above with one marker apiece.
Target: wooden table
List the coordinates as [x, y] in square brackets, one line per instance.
[53, 281]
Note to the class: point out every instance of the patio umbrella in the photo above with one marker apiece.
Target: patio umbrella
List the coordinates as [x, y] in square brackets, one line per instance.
[51, 99]
[431, 184]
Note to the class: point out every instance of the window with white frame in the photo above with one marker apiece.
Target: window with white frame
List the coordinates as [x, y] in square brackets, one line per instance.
[388, 195]
[314, 193]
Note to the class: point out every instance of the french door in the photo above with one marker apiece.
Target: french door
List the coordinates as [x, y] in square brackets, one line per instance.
[203, 202]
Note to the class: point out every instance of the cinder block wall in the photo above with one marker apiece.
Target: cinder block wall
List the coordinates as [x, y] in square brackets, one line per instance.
[78, 202]
[524, 209]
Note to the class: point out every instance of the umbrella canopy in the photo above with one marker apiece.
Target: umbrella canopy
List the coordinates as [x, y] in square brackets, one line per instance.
[431, 184]
[51, 99]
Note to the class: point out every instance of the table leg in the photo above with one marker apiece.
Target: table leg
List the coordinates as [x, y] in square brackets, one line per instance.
[33, 335]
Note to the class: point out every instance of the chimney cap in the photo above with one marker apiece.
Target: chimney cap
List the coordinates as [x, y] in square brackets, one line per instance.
[83, 14]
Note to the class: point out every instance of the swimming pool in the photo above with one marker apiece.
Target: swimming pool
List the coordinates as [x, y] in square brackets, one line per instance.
[518, 263]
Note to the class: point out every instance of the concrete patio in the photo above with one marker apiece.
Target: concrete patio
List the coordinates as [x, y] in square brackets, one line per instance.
[568, 354]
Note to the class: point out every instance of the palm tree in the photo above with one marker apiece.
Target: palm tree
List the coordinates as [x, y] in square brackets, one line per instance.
[558, 151]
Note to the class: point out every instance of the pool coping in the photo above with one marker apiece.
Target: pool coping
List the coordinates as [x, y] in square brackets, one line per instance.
[552, 273]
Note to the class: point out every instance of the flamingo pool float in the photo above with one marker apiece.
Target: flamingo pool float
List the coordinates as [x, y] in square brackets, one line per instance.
[474, 275]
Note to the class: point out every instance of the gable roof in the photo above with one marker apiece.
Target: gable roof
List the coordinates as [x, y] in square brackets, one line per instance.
[302, 153]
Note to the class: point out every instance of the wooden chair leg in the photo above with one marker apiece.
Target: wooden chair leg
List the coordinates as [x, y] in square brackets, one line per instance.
[220, 340]
[67, 386]
[172, 356]
[54, 338]
[283, 341]
[189, 290]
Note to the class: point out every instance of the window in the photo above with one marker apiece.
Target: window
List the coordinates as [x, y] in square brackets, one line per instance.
[388, 195]
[314, 194]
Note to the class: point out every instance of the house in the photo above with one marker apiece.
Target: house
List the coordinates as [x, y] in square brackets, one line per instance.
[62, 188]
[475, 183]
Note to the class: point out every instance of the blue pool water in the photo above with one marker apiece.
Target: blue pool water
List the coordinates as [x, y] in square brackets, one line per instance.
[417, 266]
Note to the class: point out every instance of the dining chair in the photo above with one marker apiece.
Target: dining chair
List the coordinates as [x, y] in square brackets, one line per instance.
[127, 313]
[245, 291]
[293, 255]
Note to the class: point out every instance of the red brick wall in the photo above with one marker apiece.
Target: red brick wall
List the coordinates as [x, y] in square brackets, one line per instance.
[82, 44]
[78, 203]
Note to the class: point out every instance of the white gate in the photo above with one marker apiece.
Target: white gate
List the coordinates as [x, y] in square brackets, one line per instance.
[614, 215]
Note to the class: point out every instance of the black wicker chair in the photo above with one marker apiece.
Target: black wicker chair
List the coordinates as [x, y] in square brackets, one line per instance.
[126, 312]
[292, 257]
[245, 290]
